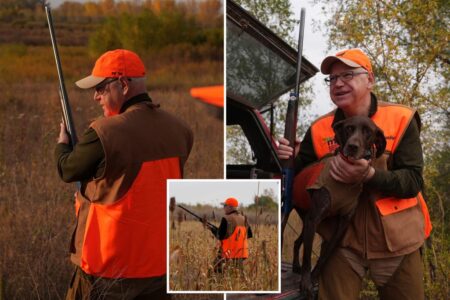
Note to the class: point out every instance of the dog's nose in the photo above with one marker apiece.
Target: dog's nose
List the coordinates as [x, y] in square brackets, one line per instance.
[352, 148]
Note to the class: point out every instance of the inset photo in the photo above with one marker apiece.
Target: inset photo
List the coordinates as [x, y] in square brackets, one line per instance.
[223, 236]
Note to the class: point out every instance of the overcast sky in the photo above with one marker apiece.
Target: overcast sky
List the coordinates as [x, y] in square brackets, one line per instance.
[214, 192]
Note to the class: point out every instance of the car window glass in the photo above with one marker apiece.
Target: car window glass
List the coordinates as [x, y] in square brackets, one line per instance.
[254, 72]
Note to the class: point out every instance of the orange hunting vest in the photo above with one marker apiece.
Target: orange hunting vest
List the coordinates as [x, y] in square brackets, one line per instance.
[393, 119]
[121, 216]
[126, 239]
[236, 245]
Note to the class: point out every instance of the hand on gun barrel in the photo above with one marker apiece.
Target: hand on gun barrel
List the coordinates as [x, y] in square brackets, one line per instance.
[285, 151]
[63, 137]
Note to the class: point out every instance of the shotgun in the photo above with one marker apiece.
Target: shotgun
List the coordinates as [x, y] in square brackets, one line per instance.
[67, 112]
[290, 129]
[211, 226]
[65, 105]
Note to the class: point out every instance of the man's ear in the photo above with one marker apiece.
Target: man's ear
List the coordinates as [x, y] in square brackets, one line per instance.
[371, 81]
[339, 135]
[380, 142]
[125, 84]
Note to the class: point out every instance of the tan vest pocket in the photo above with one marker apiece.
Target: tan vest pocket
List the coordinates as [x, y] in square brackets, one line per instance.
[403, 229]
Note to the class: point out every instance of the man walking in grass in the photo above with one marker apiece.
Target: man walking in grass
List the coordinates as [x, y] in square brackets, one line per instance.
[233, 233]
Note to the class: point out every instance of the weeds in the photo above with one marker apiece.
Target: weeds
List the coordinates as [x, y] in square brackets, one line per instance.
[36, 207]
[193, 258]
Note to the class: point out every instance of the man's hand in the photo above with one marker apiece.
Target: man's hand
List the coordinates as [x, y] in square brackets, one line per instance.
[285, 151]
[351, 171]
[63, 137]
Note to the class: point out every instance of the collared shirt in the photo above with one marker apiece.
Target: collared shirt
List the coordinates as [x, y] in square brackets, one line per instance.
[403, 180]
[87, 159]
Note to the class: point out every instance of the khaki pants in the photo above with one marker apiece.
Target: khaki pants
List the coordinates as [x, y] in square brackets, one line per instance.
[87, 287]
[338, 280]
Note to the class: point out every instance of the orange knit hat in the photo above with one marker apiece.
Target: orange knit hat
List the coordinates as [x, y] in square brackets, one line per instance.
[113, 64]
[352, 57]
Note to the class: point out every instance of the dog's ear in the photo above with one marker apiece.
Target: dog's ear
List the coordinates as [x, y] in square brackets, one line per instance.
[339, 135]
[380, 142]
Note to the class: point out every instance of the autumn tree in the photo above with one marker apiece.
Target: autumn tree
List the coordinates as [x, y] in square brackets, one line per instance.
[156, 25]
[12, 10]
[91, 9]
[407, 41]
[267, 200]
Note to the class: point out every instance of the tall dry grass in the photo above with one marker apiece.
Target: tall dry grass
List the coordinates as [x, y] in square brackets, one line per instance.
[193, 255]
[36, 207]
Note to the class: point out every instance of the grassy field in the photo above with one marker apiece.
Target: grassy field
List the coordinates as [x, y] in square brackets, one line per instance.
[36, 207]
[193, 250]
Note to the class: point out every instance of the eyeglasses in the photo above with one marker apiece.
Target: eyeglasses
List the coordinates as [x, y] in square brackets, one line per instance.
[100, 88]
[345, 76]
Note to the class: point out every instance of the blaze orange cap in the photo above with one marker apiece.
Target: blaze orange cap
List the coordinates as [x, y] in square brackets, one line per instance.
[352, 57]
[114, 64]
[231, 202]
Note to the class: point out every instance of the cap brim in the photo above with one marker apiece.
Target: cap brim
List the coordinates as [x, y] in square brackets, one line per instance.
[89, 82]
[325, 67]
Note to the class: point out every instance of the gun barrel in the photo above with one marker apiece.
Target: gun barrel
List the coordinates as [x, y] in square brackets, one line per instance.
[292, 110]
[67, 113]
[291, 124]
[196, 216]
[300, 50]
[65, 106]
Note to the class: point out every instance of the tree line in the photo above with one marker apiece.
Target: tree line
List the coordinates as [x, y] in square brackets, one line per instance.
[137, 25]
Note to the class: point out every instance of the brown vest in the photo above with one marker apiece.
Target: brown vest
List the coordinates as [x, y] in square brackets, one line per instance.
[121, 230]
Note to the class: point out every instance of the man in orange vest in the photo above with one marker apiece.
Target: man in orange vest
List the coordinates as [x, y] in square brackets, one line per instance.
[391, 221]
[233, 233]
[122, 161]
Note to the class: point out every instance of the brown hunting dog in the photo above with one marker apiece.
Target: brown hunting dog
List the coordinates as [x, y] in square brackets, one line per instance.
[317, 196]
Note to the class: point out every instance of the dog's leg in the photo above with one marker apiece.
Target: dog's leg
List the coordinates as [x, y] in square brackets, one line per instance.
[284, 221]
[331, 245]
[320, 205]
[297, 244]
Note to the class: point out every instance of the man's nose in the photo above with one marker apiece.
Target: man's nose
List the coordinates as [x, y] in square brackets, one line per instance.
[339, 81]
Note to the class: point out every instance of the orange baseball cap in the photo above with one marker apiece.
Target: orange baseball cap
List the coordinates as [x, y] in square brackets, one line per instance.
[114, 64]
[352, 57]
[231, 202]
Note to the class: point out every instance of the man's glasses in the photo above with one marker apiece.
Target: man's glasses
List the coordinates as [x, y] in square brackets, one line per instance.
[100, 88]
[345, 76]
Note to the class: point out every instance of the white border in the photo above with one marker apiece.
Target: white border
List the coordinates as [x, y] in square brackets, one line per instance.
[169, 181]
[224, 162]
